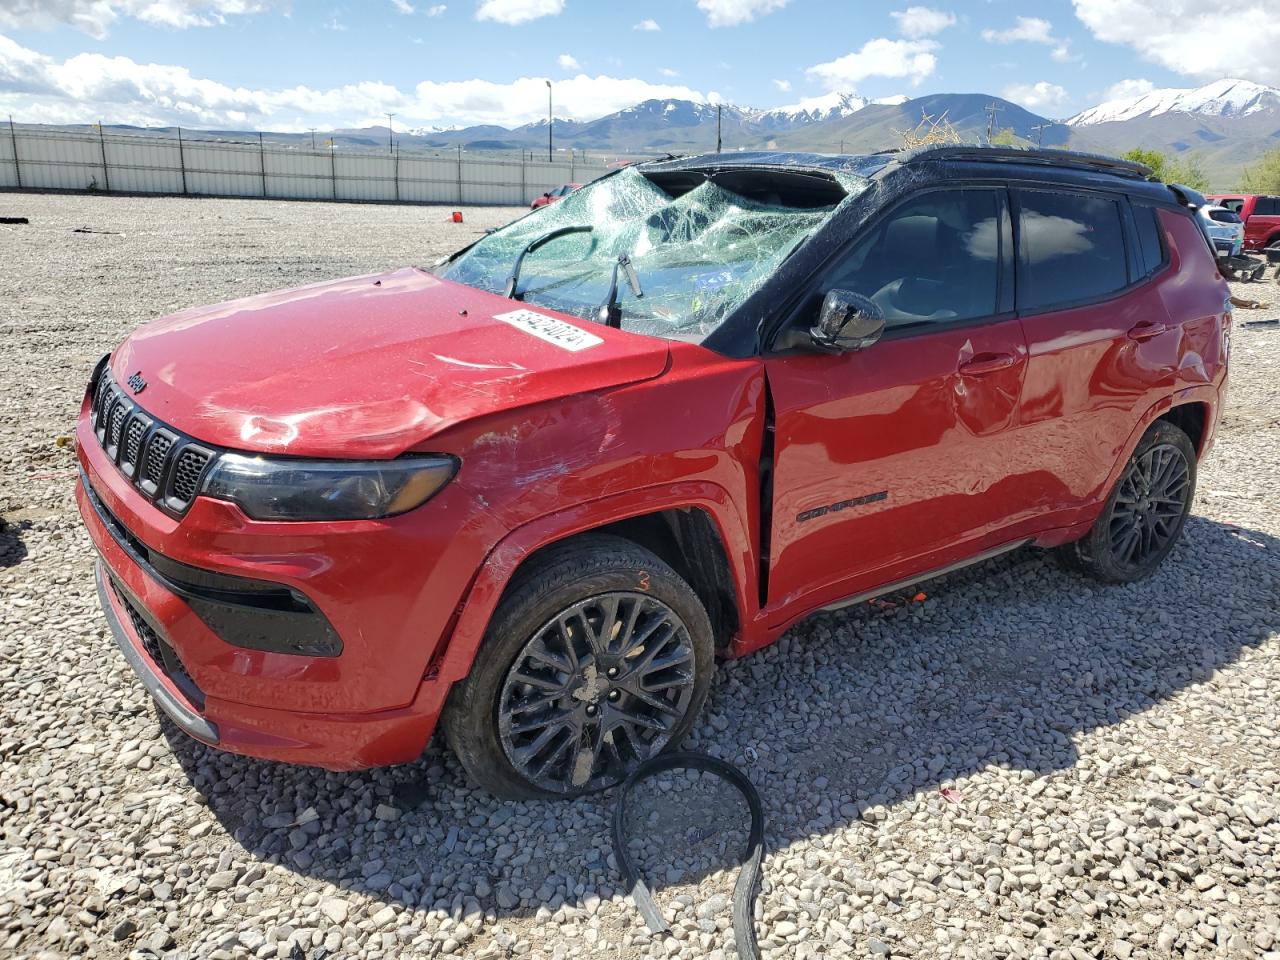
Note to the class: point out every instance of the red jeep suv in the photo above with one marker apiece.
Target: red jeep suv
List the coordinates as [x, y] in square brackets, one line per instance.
[531, 495]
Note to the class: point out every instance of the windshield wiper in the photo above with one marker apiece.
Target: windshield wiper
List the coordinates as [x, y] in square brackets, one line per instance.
[610, 313]
[510, 292]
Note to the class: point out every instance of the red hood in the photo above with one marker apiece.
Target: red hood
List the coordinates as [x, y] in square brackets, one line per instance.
[369, 366]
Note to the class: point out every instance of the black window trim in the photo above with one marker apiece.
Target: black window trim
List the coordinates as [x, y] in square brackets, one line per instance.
[1127, 234]
[1005, 270]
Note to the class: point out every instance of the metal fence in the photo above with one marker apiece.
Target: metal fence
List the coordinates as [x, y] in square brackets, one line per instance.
[98, 160]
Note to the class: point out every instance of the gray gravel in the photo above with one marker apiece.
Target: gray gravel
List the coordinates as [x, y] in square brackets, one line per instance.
[1022, 765]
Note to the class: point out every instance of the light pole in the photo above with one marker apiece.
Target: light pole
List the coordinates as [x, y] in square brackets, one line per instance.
[717, 128]
[390, 147]
[313, 137]
[550, 121]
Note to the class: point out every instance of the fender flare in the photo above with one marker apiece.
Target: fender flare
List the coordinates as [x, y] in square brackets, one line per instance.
[502, 562]
[1205, 393]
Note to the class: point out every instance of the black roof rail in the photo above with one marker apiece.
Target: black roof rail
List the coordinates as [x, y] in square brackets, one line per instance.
[1038, 155]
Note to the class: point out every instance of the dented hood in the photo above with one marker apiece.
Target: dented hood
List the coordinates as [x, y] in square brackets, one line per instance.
[367, 367]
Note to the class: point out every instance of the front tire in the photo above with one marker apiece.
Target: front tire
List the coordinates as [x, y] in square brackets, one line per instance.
[598, 656]
[1144, 516]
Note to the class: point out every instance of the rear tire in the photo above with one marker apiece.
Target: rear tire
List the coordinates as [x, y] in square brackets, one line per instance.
[1143, 518]
[598, 656]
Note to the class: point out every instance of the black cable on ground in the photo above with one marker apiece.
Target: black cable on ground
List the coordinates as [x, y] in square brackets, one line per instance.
[748, 886]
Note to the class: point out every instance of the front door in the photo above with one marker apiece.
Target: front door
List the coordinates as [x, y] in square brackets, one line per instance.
[896, 458]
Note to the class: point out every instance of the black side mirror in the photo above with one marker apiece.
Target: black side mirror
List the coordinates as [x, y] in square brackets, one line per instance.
[847, 321]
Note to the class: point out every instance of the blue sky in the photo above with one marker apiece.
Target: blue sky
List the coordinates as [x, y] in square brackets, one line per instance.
[291, 65]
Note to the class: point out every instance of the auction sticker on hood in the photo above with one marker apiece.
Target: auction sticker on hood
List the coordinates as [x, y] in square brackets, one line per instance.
[564, 335]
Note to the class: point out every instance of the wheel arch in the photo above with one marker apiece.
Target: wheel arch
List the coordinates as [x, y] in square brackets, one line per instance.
[696, 529]
[1192, 418]
[1203, 398]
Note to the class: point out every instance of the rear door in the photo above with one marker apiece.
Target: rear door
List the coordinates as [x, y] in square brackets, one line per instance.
[887, 458]
[1101, 343]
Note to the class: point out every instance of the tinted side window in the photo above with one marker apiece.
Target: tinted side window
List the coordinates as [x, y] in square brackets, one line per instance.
[1071, 249]
[1267, 206]
[934, 259]
[1150, 248]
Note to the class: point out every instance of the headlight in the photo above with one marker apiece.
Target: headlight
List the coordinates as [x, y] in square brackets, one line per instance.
[280, 489]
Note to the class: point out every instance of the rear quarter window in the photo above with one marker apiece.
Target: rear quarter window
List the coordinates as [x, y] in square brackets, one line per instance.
[1070, 249]
[1150, 241]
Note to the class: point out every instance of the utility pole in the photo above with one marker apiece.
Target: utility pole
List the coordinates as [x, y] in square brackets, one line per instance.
[390, 147]
[1039, 130]
[992, 109]
[718, 128]
[550, 121]
[13, 139]
[313, 137]
[842, 144]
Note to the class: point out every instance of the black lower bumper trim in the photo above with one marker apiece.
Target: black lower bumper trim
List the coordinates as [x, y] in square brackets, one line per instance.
[187, 719]
[253, 614]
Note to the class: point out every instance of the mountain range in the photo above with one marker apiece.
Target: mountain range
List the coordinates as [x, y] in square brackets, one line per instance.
[1222, 127]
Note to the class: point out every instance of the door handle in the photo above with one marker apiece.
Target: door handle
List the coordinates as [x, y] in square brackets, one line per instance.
[986, 363]
[1146, 330]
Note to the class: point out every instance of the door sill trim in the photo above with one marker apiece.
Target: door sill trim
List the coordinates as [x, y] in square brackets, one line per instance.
[927, 575]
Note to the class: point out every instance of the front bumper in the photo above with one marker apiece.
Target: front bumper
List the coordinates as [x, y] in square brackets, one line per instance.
[383, 587]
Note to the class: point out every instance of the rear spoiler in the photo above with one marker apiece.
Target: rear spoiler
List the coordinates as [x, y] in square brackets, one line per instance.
[1186, 196]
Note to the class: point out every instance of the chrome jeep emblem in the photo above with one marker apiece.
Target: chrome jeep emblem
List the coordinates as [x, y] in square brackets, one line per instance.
[136, 383]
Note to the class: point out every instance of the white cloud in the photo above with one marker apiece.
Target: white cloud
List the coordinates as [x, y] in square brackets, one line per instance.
[783, 85]
[513, 12]
[568, 62]
[403, 6]
[880, 57]
[82, 89]
[668, 72]
[436, 10]
[1128, 89]
[1036, 96]
[649, 26]
[922, 21]
[96, 17]
[1033, 30]
[1173, 34]
[730, 13]
[1025, 30]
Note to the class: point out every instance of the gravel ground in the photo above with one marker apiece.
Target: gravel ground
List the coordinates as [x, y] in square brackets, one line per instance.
[1022, 765]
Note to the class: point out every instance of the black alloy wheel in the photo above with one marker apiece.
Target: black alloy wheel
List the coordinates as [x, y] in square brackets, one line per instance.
[600, 688]
[1153, 498]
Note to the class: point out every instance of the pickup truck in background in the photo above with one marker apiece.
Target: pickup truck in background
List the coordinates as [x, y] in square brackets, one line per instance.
[1261, 216]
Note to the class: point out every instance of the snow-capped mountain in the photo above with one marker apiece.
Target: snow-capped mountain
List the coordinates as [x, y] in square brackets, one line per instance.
[829, 106]
[1222, 98]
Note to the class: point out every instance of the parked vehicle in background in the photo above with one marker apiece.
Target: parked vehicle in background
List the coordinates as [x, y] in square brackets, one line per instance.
[531, 495]
[1261, 216]
[551, 196]
[1224, 227]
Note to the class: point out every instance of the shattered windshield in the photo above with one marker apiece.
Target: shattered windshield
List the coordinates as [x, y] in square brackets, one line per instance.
[696, 253]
